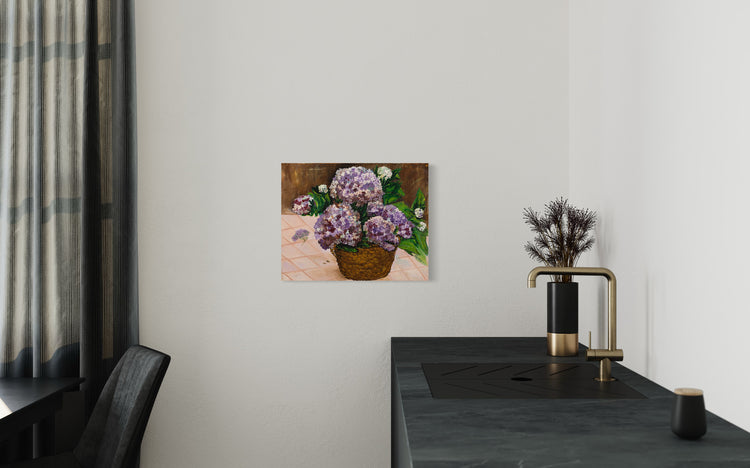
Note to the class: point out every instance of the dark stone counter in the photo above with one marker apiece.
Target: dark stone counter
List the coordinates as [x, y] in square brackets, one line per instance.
[442, 433]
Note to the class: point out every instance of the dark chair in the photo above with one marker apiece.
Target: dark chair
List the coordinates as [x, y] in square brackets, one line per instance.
[112, 438]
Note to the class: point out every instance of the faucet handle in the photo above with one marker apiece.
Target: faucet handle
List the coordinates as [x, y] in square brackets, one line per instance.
[589, 339]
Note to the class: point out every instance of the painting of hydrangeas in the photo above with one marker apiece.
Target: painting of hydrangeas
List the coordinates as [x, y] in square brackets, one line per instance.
[355, 221]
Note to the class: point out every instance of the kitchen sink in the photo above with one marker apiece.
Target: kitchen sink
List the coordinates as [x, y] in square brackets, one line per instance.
[522, 381]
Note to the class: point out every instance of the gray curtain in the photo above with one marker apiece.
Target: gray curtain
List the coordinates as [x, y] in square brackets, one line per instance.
[68, 250]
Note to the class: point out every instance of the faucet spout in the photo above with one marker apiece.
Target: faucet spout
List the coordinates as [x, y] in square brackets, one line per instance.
[580, 271]
[602, 355]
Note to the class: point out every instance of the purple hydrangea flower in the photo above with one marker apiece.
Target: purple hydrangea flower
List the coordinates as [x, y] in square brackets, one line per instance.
[394, 215]
[302, 205]
[374, 208]
[356, 185]
[301, 234]
[339, 224]
[379, 231]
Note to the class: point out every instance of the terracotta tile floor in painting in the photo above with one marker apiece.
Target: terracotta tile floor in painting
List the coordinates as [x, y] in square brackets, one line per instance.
[306, 261]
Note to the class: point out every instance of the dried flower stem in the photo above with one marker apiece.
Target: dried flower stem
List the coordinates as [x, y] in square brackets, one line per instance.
[562, 234]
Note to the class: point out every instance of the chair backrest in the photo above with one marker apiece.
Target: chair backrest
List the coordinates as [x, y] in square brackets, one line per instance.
[113, 435]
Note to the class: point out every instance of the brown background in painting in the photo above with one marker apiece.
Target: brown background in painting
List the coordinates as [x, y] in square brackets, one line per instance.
[298, 179]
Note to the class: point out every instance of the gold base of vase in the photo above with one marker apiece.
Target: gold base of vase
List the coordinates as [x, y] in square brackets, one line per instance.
[562, 344]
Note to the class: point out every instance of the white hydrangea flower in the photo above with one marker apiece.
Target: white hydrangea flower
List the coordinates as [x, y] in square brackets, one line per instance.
[418, 212]
[323, 188]
[422, 226]
[384, 173]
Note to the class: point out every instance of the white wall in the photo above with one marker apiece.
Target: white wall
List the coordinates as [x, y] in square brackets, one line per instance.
[659, 116]
[274, 374]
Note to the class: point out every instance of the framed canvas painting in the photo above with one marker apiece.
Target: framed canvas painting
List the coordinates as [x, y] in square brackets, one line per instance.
[354, 221]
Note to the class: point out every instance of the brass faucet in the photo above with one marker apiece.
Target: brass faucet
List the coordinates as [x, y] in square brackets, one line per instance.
[604, 356]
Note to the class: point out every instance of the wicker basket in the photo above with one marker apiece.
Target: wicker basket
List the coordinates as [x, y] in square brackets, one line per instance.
[367, 263]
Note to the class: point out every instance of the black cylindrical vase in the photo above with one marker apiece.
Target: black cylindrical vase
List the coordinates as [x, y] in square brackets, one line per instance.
[689, 413]
[562, 319]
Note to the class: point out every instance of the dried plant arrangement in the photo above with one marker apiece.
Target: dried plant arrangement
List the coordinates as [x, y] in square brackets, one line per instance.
[563, 233]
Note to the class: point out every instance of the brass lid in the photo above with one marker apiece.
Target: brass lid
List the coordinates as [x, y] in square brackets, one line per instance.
[688, 391]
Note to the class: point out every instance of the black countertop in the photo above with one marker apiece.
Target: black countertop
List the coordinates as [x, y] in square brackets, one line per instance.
[442, 433]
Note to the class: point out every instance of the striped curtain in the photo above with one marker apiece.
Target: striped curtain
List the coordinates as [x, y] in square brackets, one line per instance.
[68, 268]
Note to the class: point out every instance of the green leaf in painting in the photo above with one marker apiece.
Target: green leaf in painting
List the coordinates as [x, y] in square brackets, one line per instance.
[420, 237]
[362, 210]
[419, 200]
[415, 248]
[392, 190]
[320, 202]
[408, 245]
[390, 199]
[422, 257]
[346, 248]
[403, 208]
